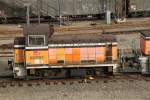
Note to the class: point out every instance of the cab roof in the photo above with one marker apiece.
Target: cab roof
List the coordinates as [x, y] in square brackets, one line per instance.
[81, 38]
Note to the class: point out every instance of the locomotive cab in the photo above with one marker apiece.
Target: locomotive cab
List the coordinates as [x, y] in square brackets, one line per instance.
[34, 51]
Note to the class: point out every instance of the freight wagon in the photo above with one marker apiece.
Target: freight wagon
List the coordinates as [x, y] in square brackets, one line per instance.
[43, 55]
[85, 7]
[138, 7]
[73, 9]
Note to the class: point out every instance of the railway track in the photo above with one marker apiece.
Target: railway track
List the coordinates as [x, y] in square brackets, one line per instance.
[9, 82]
[122, 27]
[97, 27]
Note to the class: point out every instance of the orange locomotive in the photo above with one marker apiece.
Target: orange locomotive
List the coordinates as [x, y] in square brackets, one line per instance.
[41, 54]
[145, 42]
[145, 51]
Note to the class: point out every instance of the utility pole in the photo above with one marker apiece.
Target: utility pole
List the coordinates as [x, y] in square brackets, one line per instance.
[3, 15]
[27, 13]
[39, 2]
[60, 15]
[108, 12]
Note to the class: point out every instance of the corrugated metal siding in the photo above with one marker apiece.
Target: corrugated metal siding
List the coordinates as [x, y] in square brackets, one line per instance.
[68, 7]
[82, 7]
[75, 7]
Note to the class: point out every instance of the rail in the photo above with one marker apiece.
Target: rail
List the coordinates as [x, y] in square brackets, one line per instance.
[10, 82]
[115, 28]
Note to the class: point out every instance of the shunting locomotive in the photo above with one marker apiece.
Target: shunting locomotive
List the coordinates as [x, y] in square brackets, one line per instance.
[40, 53]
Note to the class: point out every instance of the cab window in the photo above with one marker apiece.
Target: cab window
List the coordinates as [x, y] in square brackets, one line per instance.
[36, 40]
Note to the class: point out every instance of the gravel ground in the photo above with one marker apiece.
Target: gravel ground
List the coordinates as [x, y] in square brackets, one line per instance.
[120, 90]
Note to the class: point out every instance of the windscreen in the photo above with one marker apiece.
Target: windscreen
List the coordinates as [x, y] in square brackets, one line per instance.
[36, 40]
